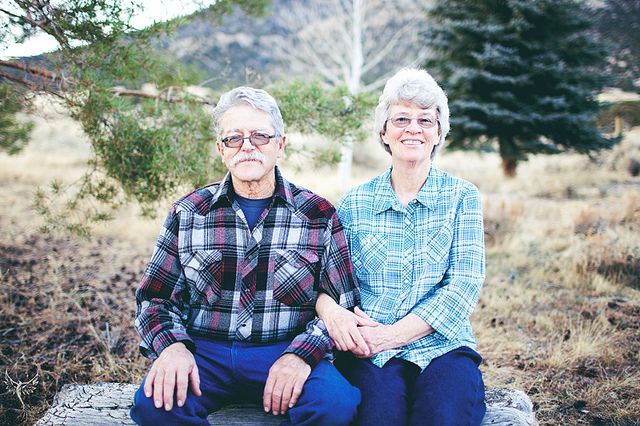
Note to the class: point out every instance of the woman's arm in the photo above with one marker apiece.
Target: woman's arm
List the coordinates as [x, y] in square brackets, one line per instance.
[385, 337]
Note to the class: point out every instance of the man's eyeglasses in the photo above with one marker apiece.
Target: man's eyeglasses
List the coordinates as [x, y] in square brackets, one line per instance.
[401, 121]
[256, 139]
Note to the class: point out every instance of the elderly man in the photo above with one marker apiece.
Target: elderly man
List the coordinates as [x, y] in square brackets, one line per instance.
[226, 307]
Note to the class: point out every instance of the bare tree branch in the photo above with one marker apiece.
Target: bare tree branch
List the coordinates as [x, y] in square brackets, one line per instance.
[30, 84]
[166, 96]
[36, 71]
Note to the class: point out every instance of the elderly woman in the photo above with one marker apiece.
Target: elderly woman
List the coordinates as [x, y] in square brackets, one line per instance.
[415, 235]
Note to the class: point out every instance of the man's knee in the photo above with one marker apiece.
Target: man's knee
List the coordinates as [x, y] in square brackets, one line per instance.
[327, 399]
[144, 412]
[340, 405]
[331, 407]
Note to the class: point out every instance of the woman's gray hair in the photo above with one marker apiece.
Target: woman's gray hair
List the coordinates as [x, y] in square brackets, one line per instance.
[415, 86]
[257, 98]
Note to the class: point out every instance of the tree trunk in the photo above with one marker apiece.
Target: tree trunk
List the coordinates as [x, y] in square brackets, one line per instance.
[509, 167]
[346, 151]
[509, 154]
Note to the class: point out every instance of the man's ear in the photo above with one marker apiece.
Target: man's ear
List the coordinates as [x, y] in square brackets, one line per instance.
[281, 144]
[219, 147]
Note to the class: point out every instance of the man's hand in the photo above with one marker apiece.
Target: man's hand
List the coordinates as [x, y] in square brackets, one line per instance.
[174, 368]
[342, 326]
[284, 384]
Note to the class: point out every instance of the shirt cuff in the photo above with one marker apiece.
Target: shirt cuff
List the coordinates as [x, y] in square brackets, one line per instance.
[311, 345]
[164, 339]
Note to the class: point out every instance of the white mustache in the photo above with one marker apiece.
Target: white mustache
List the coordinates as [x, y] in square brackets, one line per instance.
[251, 156]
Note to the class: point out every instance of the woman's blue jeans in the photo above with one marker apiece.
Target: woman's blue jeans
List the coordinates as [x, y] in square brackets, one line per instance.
[450, 391]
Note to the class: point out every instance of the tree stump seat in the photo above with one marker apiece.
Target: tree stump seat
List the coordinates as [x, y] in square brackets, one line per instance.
[102, 404]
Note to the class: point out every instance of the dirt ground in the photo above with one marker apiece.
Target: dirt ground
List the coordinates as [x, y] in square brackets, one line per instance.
[559, 316]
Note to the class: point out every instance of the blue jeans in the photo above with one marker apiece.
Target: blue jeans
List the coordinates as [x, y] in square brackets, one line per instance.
[450, 391]
[236, 372]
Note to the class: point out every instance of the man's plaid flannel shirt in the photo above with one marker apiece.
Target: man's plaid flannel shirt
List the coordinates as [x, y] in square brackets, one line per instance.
[210, 276]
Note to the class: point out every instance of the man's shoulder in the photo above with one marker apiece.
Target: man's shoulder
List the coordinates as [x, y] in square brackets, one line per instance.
[197, 201]
[310, 204]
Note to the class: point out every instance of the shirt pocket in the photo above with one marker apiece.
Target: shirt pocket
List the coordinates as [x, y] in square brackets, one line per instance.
[203, 270]
[434, 258]
[437, 245]
[294, 277]
[370, 259]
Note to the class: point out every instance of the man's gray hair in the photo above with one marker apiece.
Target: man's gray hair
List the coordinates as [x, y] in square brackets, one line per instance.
[415, 86]
[257, 98]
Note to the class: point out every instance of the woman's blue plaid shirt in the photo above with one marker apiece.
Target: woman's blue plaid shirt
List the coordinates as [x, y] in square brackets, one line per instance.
[426, 259]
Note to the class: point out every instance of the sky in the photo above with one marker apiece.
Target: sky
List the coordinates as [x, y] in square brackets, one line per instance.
[153, 11]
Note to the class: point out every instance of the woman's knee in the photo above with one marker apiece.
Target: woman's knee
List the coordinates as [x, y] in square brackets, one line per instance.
[450, 390]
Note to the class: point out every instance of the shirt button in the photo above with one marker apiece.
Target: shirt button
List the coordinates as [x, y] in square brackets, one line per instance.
[246, 290]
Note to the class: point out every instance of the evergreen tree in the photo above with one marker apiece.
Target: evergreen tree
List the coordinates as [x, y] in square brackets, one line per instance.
[13, 134]
[519, 73]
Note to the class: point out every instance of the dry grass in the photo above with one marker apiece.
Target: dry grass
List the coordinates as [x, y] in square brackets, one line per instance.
[559, 316]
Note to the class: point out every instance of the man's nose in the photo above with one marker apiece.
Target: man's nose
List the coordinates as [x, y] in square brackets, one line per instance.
[247, 145]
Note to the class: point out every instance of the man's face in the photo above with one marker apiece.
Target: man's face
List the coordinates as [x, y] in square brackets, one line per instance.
[249, 163]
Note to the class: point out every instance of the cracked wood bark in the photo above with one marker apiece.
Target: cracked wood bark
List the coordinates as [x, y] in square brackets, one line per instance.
[103, 404]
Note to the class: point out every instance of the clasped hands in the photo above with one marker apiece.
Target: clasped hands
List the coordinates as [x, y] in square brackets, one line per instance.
[176, 369]
[355, 331]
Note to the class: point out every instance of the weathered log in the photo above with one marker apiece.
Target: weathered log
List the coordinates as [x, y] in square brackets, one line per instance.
[103, 404]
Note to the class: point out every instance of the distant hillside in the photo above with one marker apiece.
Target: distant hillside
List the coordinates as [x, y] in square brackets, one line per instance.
[243, 49]
[236, 49]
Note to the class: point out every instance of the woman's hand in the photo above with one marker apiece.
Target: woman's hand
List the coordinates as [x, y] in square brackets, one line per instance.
[343, 324]
[378, 339]
[385, 337]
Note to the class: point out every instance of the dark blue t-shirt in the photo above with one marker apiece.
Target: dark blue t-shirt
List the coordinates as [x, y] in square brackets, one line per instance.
[252, 208]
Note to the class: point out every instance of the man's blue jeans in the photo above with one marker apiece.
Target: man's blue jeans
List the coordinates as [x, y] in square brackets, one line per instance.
[236, 372]
[450, 391]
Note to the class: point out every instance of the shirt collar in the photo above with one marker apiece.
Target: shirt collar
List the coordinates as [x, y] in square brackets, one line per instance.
[427, 196]
[224, 193]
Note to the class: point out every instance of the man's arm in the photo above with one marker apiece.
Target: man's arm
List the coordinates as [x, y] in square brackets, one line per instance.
[336, 279]
[162, 302]
[289, 373]
[162, 297]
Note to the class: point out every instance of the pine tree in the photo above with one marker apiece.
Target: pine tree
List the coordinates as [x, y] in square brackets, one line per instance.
[521, 74]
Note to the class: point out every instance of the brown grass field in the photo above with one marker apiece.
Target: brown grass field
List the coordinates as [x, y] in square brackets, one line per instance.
[559, 316]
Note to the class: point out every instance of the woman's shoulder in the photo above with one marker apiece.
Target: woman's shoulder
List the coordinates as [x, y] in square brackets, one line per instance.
[454, 185]
[365, 192]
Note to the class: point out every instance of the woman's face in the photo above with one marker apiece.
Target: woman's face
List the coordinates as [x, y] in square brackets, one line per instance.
[411, 132]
